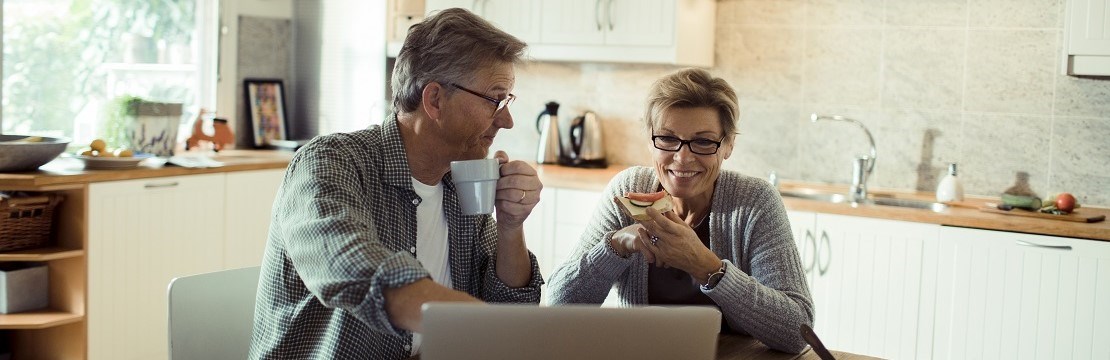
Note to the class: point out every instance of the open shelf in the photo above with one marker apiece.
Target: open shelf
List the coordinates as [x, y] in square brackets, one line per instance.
[38, 319]
[41, 254]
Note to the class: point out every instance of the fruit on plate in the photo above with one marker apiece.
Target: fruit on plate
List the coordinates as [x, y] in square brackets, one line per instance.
[1065, 202]
[99, 148]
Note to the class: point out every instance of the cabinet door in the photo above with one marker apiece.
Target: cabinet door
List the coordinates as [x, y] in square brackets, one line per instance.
[1088, 25]
[1013, 296]
[521, 18]
[572, 22]
[867, 285]
[250, 197]
[436, 5]
[142, 234]
[805, 237]
[639, 22]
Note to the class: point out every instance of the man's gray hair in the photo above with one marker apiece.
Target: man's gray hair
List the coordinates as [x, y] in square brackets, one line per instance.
[449, 46]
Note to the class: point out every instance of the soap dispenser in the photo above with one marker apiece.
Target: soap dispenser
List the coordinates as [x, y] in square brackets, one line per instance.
[950, 188]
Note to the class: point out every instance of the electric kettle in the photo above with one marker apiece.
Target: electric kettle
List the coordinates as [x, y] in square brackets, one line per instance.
[587, 146]
[547, 124]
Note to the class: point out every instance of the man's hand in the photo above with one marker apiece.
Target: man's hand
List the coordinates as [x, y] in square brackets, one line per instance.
[518, 192]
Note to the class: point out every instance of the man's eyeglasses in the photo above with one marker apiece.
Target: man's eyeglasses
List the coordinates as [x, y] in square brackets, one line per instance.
[697, 146]
[501, 104]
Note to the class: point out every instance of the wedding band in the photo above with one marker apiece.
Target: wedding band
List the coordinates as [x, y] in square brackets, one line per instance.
[654, 240]
[522, 195]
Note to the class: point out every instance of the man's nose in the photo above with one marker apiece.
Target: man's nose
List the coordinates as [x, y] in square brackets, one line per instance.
[504, 119]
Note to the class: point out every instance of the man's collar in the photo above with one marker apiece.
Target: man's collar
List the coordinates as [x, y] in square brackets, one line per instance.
[396, 171]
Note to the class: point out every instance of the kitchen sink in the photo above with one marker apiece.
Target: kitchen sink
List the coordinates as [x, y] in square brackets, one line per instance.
[834, 198]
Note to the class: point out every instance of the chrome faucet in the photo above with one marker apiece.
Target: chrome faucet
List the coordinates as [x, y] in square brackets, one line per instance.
[862, 166]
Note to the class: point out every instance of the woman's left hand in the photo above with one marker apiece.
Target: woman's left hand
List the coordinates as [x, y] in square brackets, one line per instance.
[678, 245]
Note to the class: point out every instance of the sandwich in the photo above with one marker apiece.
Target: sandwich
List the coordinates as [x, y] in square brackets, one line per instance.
[636, 204]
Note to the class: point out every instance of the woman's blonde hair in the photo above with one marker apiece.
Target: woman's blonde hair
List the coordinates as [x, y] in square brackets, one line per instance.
[448, 47]
[691, 87]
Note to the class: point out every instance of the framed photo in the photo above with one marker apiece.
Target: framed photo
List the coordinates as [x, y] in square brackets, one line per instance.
[266, 106]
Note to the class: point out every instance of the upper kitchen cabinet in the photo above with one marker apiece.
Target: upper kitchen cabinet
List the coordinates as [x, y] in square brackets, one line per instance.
[638, 31]
[1087, 38]
[517, 17]
[679, 32]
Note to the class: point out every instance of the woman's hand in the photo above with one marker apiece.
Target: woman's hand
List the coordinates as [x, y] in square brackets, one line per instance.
[633, 239]
[678, 246]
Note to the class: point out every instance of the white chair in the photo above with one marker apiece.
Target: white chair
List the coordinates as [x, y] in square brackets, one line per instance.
[212, 314]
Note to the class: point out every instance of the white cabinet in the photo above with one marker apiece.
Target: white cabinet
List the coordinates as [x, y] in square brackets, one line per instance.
[142, 234]
[250, 198]
[865, 276]
[516, 17]
[553, 238]
[1087, 38]
[1010, 295]
[680, 32]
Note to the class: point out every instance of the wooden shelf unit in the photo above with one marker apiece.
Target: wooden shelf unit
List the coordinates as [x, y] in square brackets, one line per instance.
[42, 254]
[38, 319]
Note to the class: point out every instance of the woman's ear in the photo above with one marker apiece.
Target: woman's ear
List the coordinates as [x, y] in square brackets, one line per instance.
[432, 99]
[726, 147]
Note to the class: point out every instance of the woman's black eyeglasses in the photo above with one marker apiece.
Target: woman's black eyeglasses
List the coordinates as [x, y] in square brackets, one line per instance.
[501, 104]
[697, 146]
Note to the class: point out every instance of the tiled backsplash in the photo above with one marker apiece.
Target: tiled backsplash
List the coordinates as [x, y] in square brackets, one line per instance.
[973, 82]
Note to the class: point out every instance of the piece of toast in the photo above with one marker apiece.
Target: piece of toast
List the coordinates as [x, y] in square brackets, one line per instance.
[639, 213]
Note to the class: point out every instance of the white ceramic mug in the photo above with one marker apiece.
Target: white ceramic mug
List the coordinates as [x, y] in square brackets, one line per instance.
[476, 184]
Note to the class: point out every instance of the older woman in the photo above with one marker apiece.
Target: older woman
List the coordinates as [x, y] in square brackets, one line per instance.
[728, 241]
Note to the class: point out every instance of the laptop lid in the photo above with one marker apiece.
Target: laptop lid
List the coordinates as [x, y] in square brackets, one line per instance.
[502, 331]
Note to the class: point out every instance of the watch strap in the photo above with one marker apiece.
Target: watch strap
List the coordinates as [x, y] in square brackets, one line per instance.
[714, 278]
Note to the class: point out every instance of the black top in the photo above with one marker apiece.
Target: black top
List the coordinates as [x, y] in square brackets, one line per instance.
[670, 286]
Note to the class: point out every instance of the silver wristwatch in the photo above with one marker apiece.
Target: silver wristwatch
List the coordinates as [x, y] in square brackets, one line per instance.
[714, 278]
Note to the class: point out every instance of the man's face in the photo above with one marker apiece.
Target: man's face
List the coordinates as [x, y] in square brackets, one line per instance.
[468, 119]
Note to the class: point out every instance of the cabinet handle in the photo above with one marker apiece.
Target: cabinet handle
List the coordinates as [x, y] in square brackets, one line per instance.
[609, 14]
[597, 14]
[1054, 247]
[822, 269]
[812, 240]
[160, 185]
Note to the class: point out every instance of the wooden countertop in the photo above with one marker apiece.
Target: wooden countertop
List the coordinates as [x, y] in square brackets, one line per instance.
[963, 214]
[67, 172]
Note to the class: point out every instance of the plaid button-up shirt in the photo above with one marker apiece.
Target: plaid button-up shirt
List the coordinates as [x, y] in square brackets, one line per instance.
[343, 230]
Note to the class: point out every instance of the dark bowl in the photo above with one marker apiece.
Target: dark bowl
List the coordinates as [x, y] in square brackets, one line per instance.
[25, 153]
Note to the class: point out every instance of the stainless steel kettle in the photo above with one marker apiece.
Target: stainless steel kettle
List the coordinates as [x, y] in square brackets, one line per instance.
[587, 145]
[547, 124]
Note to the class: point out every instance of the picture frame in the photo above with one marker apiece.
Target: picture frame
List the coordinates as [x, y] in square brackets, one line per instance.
[266, 109]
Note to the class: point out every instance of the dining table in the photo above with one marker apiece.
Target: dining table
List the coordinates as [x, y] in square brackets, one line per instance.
[731, 346]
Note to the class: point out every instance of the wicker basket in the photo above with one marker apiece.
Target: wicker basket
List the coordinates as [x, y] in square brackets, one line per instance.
[25, 222]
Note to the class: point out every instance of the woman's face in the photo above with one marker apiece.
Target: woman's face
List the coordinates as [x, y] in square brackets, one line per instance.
[683, 173]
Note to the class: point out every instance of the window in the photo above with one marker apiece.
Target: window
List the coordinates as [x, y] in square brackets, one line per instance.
[67, 63]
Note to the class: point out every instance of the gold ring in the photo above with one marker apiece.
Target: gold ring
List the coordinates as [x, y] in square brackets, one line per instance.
[522, 195]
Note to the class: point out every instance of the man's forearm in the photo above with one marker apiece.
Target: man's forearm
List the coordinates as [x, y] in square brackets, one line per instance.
[403, 303]
[514, 266]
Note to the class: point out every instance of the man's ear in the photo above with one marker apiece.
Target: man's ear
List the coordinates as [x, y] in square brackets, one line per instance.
[432, 99]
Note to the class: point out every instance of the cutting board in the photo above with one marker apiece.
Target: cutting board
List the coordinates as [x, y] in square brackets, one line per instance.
[1076, 216]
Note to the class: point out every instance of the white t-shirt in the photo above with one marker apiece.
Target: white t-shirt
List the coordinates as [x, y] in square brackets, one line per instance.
[431, 238]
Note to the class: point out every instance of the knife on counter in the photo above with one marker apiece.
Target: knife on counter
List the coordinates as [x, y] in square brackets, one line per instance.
[815, 343]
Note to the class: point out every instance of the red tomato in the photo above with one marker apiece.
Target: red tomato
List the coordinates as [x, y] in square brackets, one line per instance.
[1065, 202]
[646, 197]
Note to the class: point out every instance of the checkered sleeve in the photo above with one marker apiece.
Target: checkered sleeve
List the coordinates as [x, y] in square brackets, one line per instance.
[494, 290]
[332, 239]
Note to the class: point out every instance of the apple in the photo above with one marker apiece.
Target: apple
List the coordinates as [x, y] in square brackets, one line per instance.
[1065, 202]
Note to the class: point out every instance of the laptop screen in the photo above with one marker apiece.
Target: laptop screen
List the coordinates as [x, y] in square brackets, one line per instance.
[502, 331]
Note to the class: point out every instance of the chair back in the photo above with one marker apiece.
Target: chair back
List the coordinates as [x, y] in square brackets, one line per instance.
[212, 314]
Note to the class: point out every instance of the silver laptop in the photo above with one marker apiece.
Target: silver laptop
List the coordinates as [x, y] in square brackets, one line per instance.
[496, 331]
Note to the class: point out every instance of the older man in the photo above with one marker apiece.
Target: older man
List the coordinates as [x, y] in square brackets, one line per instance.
[367, 226]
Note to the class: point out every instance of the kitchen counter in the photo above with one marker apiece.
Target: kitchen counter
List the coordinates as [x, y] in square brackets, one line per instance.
[962, 214]
[64, 173]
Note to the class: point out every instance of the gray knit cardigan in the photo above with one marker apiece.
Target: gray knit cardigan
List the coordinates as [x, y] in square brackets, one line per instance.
[763, 292]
